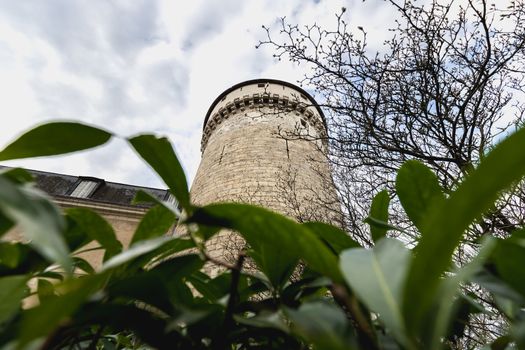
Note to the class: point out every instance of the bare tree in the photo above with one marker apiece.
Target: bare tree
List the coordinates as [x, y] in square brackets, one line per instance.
[445, 87]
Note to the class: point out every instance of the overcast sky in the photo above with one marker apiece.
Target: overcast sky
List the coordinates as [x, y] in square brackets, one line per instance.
[141, 66]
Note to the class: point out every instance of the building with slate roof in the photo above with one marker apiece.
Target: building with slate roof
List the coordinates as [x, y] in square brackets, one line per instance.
[112, 200]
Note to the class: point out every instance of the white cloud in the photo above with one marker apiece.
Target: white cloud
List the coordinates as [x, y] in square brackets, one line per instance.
[141, 66]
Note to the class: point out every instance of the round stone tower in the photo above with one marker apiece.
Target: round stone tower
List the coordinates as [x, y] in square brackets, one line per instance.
[251, 154]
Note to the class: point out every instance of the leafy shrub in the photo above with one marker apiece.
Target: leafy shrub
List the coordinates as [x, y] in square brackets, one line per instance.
[155, 295]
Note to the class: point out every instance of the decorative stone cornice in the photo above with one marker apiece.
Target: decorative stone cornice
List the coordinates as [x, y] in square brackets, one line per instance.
[281, 104]
[121, 211]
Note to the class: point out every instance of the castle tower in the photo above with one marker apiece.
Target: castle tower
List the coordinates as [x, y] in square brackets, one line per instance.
[247, 156]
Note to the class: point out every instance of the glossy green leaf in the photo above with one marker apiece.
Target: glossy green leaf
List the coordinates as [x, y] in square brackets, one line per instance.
[148, 326]
[322, 324]
[74, 235]
[146, 197]
[96, 228]
[501, 343]
[173, 271]
[379, 211]
[55, 138]
[262, 229]
[211, 288]
[146, 287]
[335, 238]
[156, 222]
[509, 260]
[137, 250]
[40, 220]
[305, 287]
[10, 254]
[164, 251]
[45, 290]
[17, 175]
[265, 319]
[444, 225]
[5, 224]
[83, 265]
[44, 318]
[28, 261]
[12, 290]
[445, 304]
[383, 225]
[417, 188]
[497, 287]
[159, 154]
[377, 277]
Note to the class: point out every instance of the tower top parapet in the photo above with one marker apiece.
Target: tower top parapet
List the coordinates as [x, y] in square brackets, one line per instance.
[262, 83]
[256, 93]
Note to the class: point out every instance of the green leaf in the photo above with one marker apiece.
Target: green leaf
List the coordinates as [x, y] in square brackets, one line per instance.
[144, 324]
[28, 261]
[383, 225]
[417, 188]
[156, 222]
[159, 154]
[17, 175]
[173, 271]
[322, 324]
[145, 197]
[97, 228]
[379, 211]
[497, 287]
[10, 254]
[444, 225]
[139, 249]
[264, 319]
[211, 288]
[445, 296]
[499, 344]
[83, 265]
[164, 251]
[146, 287]
[12, 290]
[45, 290]
[306, 287]
[41, 221]
[335, 238]
[44, 318]
[5, 224]
[55, 138]
[377, 277]
[262, 229]
[509, 259]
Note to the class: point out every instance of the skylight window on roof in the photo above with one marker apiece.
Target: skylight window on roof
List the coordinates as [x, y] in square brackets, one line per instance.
[84, 189]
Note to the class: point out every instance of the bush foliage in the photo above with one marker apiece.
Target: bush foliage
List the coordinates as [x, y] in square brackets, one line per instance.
[154, 293]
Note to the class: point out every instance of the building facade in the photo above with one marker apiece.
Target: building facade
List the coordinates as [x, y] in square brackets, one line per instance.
[114, 201]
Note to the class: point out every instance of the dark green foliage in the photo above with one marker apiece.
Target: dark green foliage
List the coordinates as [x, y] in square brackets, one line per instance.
[155, 223]
[379, 211]
[159, 154]
[55, 138]
[154, 294]
[96, 228]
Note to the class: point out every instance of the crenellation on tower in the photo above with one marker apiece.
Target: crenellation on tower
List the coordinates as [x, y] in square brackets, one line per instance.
[273, 94]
